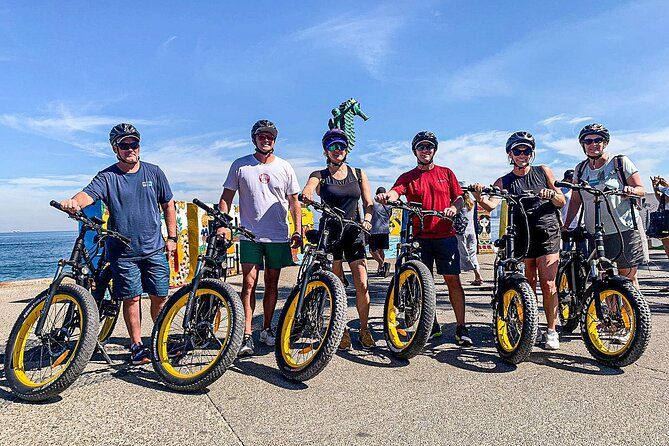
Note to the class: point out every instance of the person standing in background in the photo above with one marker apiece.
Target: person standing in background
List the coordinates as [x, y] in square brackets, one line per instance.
[379, 239]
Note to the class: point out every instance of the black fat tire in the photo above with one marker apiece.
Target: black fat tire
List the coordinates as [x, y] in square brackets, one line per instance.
[641, 337]
[530, 324]
[81, 357]
[428, 310]
[332, 337]
[227, 356]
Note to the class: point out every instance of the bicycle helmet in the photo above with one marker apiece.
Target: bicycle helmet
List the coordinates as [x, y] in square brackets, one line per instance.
[594, 129]
[263, 125]
[520, 138]
[120, 131]
[424, 136]
[335, 136]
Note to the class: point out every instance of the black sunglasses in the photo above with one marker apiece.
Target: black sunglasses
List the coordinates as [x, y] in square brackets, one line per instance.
[589, 141]
[128, 145]
[517, 152]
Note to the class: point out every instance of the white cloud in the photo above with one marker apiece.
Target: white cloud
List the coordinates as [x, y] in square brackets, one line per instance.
[168, 41]
[580, 120]
[551, 120]
[368, 38]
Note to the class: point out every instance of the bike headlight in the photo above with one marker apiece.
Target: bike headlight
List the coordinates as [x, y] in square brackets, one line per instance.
[415, 245]
[85, 270]
[330, 257]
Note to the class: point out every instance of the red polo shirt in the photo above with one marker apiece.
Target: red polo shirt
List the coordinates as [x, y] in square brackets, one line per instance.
[436, 189]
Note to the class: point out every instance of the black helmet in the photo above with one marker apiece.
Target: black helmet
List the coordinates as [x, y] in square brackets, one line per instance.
[594, 129]
[120, 131]
[568, 175]
[335, 136]
[518, 139]
[263, 125]
[424, 136]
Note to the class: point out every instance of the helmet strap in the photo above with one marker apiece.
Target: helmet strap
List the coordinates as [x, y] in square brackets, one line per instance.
[423, 163]
[336, 164]
[263, 153]
[124, 161]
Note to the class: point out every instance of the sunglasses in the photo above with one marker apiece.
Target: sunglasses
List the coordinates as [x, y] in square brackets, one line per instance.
[128, 145]
[424, 147]
[517, 152]
[267, 136]
[336, 146]
[589, 141]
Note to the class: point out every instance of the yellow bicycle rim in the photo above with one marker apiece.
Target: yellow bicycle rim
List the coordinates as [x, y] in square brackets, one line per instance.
[62, 362]
[190, 370]
[511, 297]
[564, 307]
[299, 356]
[399, 334]
[611, 340]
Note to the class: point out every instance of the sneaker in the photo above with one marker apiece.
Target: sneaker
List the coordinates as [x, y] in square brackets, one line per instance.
[386, 269]
[366, 339]
[267, 337]
[345, 343]
[462, 336]
[541, 337]
[139, 354]
[552, 340]
[436, 331]
[247, 346]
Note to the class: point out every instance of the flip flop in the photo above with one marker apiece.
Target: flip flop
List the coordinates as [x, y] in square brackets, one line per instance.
[476, 282]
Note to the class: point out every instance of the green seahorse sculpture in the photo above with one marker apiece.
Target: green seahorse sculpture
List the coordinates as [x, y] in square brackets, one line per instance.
[342, 118]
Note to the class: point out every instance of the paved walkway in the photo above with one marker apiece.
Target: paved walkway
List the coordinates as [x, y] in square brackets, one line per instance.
[447, 395]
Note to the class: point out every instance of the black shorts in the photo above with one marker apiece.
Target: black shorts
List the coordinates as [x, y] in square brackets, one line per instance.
[544, 239]
[379, 241]
[442, 251]
[351, 251]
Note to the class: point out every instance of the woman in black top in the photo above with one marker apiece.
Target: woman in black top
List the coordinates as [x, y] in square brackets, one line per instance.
[543, 252]
[341, 186]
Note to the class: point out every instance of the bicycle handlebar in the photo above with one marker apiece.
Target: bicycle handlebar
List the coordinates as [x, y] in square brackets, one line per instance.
[333, 212]
[591, 190]
[224, 219]
[93, 223]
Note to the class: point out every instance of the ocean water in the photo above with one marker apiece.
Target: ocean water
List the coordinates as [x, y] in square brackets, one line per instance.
[33, 255]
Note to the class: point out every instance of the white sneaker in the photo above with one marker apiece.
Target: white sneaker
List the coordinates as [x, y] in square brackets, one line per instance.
[552, 340]
[267, 337]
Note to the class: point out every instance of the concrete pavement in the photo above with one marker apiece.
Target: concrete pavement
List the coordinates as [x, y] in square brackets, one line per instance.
[447, 395]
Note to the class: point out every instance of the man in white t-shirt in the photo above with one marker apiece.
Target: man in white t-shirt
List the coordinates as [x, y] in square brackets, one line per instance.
[268, 189]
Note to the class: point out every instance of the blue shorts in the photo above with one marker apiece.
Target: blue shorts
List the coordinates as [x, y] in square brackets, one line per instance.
[133, 277]
[442, 251]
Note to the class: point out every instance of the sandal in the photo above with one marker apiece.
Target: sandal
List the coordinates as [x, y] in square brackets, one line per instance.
[476, 282]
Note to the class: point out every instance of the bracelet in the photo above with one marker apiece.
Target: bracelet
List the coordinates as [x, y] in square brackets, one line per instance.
[296, 233]
[173, 238]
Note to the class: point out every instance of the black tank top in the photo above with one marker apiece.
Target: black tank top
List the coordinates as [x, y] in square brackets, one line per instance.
[343, 194]
[539, 212]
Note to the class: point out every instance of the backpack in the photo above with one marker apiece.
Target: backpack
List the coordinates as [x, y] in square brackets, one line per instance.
[618, 168]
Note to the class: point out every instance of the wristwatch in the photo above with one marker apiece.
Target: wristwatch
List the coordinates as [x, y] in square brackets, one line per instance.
[173, 238]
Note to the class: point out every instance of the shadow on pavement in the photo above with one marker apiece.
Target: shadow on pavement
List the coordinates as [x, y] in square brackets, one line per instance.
[271, 375]
[571, 363]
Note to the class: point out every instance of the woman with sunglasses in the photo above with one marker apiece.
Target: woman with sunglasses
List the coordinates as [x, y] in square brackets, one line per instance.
[601, 170]
[543, 246]
[341, 186]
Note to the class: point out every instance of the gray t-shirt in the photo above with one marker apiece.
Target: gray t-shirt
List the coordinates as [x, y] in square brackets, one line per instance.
[263, 195]
[606, 176]
[133, 201]
[381, 219]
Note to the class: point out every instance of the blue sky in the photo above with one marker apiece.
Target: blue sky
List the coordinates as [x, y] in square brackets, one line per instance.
[194, 79]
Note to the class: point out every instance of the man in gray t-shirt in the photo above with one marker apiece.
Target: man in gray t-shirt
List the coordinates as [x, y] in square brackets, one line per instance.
[268, 189]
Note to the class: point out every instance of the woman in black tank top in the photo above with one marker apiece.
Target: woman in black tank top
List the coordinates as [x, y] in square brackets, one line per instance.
[543, 219]
[342, 187]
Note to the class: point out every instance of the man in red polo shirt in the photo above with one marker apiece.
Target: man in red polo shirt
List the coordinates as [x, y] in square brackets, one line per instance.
[437, 188]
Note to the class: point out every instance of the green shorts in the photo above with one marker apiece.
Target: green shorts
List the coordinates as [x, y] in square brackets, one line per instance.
[275, 255]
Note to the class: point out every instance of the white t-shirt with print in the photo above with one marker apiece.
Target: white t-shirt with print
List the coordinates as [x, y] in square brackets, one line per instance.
[263, 195]
[606, 176]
